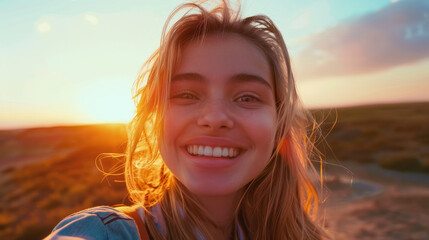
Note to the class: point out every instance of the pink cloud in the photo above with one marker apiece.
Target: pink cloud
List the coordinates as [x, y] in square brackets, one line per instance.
[395, 35]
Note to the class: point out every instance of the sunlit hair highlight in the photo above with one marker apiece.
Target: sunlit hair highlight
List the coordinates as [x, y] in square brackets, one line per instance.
[281, 203]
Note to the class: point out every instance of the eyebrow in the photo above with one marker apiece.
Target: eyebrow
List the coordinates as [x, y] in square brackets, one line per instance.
[237, 78]
[188, 76]
[244, 77]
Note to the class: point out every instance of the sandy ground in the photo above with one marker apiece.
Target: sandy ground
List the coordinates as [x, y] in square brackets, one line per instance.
[367, 202]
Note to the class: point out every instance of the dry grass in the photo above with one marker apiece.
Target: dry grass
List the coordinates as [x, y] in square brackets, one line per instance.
[48, 173]
[394, 136]
[35, 196]
[401, 162]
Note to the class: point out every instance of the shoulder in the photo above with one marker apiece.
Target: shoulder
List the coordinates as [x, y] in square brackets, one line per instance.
[96, 223]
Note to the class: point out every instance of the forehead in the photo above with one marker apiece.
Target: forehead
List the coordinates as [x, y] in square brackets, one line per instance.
[222, 55]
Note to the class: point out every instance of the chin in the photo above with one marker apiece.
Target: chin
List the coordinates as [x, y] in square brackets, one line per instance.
[211, 188]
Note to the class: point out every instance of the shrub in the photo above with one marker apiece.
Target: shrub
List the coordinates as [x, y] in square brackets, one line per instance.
[401, 162]
[50, 202]
[425, 165]
[5, 220]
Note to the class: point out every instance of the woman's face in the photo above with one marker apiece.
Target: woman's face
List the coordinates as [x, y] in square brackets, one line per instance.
[220, 123]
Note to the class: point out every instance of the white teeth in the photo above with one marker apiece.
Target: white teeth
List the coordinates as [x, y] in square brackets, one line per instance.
[217, 152]
[200, 150]
[225, 152]
[210, 151]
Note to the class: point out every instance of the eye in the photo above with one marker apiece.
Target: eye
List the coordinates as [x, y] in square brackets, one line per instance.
[248, 99]
[183, 94]
[184, 97]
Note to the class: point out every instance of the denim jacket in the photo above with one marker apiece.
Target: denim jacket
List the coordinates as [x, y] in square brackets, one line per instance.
[96, 223]
[105, 223]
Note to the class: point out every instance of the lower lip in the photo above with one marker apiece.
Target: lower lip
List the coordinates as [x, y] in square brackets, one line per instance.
[211, 162]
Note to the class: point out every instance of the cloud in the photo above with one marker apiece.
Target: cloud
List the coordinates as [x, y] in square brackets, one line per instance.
[314, 12]
[92, 19]
[395, 35]
[43, 26]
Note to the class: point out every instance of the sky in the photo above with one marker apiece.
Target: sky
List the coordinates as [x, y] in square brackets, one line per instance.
[74, 61]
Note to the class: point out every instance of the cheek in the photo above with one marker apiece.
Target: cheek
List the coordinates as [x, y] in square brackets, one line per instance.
[174, 122]
[167, 144]
[261, 127]
[170, 127]
[175, 125]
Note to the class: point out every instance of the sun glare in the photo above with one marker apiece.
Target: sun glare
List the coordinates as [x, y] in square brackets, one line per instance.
[106, 102]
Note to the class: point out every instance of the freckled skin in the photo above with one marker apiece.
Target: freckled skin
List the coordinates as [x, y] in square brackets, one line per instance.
[217, 106]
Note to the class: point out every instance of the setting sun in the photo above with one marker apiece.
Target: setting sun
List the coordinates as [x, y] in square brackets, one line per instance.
[108, 101]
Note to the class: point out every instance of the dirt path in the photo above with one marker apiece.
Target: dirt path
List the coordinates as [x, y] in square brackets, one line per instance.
[367, 202]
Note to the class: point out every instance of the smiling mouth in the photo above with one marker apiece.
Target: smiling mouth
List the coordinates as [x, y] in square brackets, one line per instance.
[210, 151]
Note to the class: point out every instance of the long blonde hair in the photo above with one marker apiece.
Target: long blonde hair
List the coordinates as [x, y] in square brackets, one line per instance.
[281, 203]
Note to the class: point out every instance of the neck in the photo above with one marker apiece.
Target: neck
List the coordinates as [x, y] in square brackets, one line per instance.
[221, 210]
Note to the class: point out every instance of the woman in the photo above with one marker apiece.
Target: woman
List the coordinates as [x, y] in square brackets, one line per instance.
[218, 148]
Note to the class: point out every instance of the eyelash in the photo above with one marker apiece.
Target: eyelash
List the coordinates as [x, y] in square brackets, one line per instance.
[251, 97]
[185, 95]
[189, 95]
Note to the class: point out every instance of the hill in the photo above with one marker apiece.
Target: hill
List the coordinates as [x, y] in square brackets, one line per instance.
[48, 173]
[393, 136]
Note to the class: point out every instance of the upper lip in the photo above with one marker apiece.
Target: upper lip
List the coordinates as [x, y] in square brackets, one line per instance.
[214, 141]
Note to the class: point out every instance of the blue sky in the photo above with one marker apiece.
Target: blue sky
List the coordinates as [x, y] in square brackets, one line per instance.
[74, 61]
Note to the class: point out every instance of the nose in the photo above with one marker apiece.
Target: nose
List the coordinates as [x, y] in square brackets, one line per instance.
[214, 115]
